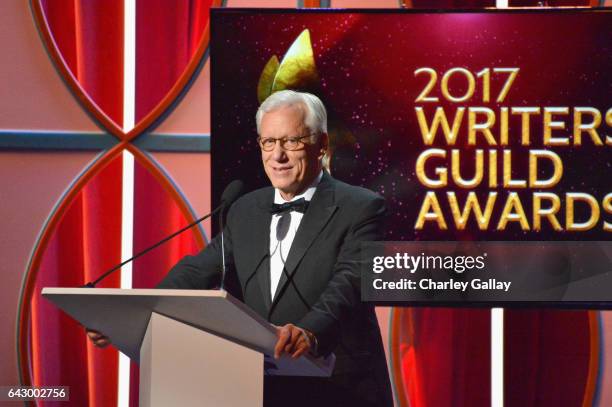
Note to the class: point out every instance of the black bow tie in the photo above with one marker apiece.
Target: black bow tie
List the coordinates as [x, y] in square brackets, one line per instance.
[299, 205]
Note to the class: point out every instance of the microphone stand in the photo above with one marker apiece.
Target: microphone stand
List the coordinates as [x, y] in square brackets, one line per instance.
[222, 250]
[92, 284]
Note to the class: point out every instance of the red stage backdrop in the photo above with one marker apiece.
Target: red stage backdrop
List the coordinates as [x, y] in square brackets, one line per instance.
[83, 238]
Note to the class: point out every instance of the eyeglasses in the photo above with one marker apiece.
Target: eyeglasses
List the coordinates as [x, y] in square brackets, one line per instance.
[288, 143]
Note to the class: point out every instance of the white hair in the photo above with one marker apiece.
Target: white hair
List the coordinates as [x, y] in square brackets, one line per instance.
[316, 115]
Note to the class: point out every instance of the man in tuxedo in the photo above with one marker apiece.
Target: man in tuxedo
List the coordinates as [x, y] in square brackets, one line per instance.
[293, 252]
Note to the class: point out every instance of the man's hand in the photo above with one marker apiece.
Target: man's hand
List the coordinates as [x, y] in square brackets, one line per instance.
[292, 340]
[97, 338]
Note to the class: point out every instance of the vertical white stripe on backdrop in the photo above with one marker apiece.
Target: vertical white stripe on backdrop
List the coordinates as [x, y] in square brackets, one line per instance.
[127, 224]
[497, 357]
[127, 207]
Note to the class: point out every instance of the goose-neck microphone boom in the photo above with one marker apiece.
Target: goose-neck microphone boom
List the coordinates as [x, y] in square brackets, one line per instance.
[232, 192]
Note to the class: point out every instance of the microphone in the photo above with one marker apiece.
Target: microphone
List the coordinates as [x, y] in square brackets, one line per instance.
[232, 192]
[282, 227]
[229, 195]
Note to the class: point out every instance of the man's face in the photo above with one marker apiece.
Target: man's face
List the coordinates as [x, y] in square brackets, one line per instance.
[290, 171]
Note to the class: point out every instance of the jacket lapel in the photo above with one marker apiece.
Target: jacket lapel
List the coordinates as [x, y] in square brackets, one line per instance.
[263, 277]
[260, 245]
[319, 212]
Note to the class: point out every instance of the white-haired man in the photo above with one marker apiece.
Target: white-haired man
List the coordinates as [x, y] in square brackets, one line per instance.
[294, 251]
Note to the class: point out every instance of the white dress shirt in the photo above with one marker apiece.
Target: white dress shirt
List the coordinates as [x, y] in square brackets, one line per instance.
[279, 250]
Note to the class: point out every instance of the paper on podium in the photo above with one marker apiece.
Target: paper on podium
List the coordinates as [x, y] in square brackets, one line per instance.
[123, 315]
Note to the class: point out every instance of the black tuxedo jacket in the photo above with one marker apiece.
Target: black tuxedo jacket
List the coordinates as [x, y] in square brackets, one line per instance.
[320, 288]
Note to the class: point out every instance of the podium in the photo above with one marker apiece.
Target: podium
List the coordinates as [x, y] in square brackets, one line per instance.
[195, 347]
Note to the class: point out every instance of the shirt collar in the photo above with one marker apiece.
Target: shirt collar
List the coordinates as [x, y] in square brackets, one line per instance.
[307, 195]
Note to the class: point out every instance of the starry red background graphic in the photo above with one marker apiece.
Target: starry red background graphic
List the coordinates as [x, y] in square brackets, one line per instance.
[366, 63]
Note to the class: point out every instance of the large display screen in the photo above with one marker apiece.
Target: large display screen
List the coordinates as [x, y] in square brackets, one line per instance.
[474, 126]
